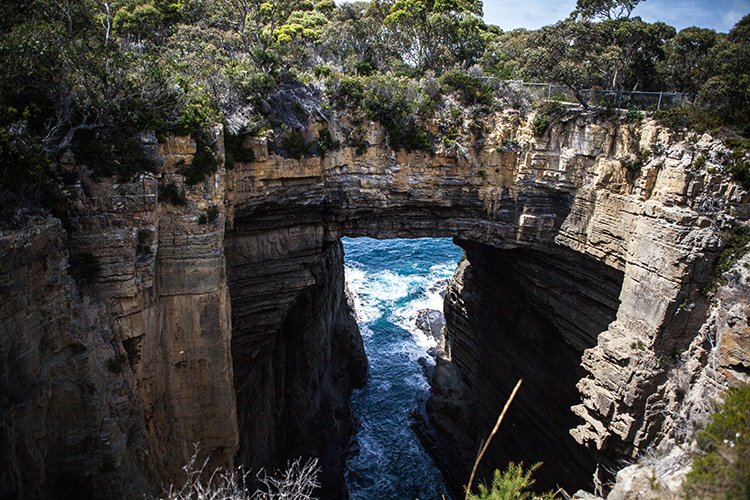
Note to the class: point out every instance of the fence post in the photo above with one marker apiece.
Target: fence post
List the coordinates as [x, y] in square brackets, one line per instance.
[549, 92]
[658, 104]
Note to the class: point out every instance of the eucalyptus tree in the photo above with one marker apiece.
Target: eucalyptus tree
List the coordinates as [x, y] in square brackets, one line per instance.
[689, 60]
[605, 9]
[271, 29]
[435, 34]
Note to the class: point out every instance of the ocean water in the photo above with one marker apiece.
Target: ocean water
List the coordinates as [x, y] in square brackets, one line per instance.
[391, 280]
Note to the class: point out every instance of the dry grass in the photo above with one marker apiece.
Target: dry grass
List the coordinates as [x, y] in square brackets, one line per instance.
[297, 482]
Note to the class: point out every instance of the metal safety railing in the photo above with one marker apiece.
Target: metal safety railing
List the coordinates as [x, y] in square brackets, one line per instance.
[619, 99]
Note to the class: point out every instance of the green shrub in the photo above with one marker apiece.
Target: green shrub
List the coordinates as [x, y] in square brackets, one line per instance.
[109, 151]
[235, 150]
[204, 162]
[117, 364]
[398, 104]
[740, 170]
[293, 145]
[212, 213]
[540, 125]
[472, 90]
[688, 117]
[172, 194]
[722, 469]
[699, 163]
[323, 70]
[633, 115]
[736, 240]
[21, 164]
[512, 484]
[198, 114]
[325, 142]
[543, 118]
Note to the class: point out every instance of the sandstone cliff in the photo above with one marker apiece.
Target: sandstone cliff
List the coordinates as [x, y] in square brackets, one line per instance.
[218, 314]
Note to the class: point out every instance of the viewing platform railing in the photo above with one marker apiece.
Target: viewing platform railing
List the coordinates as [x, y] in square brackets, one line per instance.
[619, 99]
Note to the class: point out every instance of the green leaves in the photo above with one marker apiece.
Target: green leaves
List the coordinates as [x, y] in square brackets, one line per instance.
[723, 469]
[431, 33]
[514, 483]
[605, 9]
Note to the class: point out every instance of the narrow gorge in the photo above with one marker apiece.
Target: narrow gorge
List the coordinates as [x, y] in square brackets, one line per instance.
[155, 314]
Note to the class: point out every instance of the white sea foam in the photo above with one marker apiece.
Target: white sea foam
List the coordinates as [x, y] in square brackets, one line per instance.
[430, 298]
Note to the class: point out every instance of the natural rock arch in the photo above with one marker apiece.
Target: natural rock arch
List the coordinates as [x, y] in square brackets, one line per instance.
[565, 208]
[191, 330]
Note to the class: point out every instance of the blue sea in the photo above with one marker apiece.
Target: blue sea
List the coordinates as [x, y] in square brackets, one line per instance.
[391, 280]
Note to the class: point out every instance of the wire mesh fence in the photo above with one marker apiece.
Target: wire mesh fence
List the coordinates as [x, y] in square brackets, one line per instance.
[622, 99]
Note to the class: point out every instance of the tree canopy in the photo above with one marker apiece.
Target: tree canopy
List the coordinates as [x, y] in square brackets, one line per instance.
[74, 70]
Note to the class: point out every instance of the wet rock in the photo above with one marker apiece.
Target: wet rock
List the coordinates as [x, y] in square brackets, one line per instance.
[431, 322]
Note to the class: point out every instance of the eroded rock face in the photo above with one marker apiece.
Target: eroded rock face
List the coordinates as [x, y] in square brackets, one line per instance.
[512, 315]
[296, 348]
[225, 310]
[69, 428]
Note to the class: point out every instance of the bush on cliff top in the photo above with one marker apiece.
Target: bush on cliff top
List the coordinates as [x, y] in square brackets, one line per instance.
[514, 483]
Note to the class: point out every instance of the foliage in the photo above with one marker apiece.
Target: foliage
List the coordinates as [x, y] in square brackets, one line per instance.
[722, 470]
[514, 483]
[689, 117]
[325, 142]
[542, 120]
[432, 31]
[689, 60]
[610, 54]
[212, 213]
[740, 170]
[118, 363]
[235, 150]
[472, 89]
[204, 162]
[294, 145]
[88, 76]
[108, 153]
[727, 91]
[606, 9]
[399, 104]
[735, 240]
[172, 194]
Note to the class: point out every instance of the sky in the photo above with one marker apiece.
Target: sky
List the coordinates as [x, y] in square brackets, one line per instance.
[720, 15]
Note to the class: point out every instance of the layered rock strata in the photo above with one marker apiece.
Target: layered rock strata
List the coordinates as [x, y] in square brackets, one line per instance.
[221, 313]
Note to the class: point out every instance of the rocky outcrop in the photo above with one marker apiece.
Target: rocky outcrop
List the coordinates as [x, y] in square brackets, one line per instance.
[296, 348]
[221, 318]
[513, 315]
[68, 427]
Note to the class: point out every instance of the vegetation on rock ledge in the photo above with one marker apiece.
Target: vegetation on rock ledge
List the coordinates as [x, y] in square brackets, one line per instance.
[722, 469]
[86, 76]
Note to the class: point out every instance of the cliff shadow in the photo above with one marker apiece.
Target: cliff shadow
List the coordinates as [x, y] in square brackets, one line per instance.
[521, 314]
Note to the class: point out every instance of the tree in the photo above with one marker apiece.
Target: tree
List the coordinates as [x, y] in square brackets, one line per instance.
[605, 9]
[432, 34]
[727, 91]
[505, 53]
[268, 27]
[561, 53]
[356, 41]
[689, 62]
